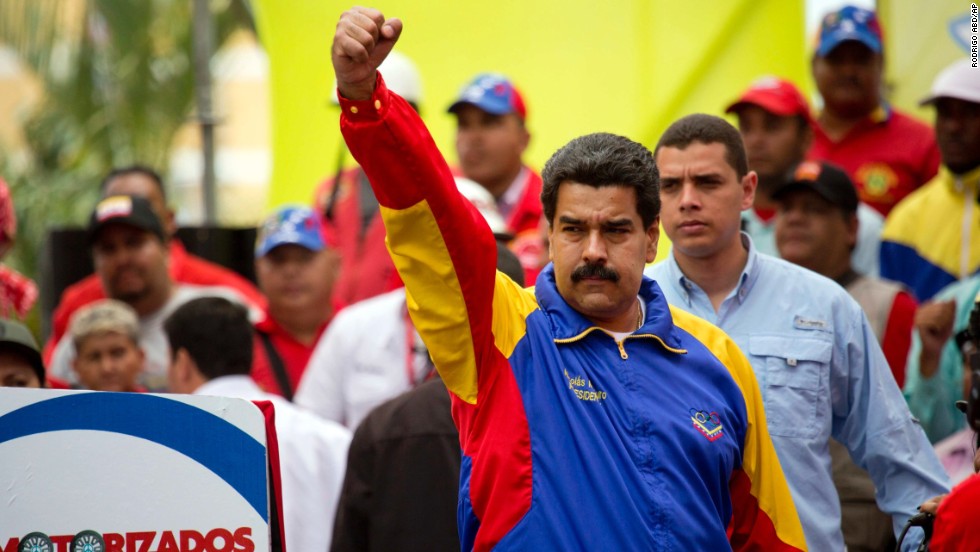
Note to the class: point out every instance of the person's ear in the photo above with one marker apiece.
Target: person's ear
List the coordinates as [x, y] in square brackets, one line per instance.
[749, 184]
[653, 238]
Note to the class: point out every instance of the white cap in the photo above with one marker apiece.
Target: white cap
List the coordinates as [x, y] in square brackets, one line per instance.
[401, 76]
[960, 81]
[482, 199]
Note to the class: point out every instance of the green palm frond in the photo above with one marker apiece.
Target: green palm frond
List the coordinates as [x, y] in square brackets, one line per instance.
[118, 82]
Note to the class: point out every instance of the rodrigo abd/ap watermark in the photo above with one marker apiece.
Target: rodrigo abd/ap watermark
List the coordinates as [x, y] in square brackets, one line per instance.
[974, 16]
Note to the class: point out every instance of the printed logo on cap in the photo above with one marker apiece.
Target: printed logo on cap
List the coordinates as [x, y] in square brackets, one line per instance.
[112, 207]
[807, 171]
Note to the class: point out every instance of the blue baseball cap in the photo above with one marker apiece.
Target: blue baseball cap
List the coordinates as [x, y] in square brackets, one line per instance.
[290, 225]
[492, 93]
[849, 23]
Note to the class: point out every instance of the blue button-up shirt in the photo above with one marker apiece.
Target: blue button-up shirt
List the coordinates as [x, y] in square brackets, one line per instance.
[822, 374]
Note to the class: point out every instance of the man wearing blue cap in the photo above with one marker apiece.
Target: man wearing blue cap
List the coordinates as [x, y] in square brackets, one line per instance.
[886, 153]
[296, 271]
[491, 137]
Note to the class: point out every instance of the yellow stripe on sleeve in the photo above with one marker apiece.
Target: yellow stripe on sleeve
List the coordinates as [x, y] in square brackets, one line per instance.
[434, 296]
[511, 306]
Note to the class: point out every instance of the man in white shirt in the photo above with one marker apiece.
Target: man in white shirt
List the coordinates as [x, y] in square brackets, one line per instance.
[211, 354]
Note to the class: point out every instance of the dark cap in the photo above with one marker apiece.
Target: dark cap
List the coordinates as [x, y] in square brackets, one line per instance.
[15, 337]
[121, 209]
[828, 181]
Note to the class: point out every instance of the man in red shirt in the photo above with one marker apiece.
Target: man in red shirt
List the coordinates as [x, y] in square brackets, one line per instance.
[777, 128]
[887, 153]
[186, 268]
[296, 271]
[491, 137]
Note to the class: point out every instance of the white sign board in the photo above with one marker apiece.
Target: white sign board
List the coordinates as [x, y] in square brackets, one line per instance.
[86, 471]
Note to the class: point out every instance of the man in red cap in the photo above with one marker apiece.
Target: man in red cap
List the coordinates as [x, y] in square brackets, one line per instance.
[776, 126]
[491, 137]
[887, 153]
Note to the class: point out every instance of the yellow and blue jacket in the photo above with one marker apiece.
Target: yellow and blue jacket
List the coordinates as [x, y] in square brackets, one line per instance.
[571, 440]
[932, 238]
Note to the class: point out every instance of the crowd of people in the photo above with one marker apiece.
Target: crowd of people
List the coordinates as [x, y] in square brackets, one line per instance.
[481, 356]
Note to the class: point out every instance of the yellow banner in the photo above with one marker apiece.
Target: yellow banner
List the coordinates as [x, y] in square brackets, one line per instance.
[921, 39]
[628, 67]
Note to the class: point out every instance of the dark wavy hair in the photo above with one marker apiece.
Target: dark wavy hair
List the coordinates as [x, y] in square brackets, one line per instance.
[604, 159]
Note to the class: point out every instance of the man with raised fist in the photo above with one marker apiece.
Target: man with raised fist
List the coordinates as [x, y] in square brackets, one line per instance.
[591, 415]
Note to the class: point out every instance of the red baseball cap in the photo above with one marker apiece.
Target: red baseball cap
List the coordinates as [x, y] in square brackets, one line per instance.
[775, 95]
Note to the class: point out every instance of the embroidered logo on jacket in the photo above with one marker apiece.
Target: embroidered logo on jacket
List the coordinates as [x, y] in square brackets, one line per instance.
[578, 386]
[709, 424]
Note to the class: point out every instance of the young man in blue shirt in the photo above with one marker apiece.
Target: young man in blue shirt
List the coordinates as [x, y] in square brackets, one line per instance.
[821, 371]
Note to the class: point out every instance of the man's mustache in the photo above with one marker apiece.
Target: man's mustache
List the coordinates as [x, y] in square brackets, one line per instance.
[593, 270]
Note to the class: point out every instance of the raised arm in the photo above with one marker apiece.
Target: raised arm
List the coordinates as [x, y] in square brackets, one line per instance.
[442, 247]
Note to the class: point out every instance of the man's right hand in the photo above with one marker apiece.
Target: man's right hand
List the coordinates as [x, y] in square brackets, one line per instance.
[362, 41]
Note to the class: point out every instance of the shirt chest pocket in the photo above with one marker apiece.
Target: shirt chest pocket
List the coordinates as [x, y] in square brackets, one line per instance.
[794, 370]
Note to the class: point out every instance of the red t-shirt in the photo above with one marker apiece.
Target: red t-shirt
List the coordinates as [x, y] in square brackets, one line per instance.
[888, 155]
[294, 355]
[185, 268]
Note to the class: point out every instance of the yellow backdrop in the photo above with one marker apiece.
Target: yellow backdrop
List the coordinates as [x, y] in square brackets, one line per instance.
[628, 67]
[919, 43]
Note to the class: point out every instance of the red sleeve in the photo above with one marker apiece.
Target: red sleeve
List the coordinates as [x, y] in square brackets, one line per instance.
[898, 334]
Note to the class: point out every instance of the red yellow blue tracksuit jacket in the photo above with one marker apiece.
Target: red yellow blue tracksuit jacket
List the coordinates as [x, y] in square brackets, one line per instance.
[570, 439]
